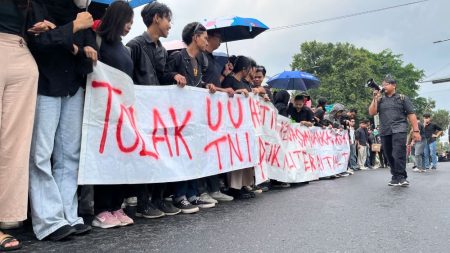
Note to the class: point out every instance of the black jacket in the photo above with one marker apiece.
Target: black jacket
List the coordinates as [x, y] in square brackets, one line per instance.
[149, 61]
[60, 72]
[180, 63]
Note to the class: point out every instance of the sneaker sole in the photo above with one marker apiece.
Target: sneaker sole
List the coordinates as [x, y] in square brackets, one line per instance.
[394, 184]
[206, 206]
[224, 200]
[62, 236]
[98, 224]
[189, 211]
[171, 214]
[148, 216]
[124, 224]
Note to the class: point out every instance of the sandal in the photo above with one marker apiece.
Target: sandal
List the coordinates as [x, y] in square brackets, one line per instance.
[5, 239]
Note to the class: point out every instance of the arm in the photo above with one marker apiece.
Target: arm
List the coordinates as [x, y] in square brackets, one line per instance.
[373, 108]
[415, 127]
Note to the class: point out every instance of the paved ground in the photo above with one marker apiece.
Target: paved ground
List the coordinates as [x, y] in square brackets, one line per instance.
[359, 213]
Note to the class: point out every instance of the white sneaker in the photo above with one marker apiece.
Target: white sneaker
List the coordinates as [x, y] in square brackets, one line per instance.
[416, 170]
[208, 199]
[219, 196]
[350, 171]
[364, 168]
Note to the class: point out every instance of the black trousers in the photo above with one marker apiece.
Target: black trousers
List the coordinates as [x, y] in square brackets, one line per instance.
[209, 184]
[394, 147]
[108, 197]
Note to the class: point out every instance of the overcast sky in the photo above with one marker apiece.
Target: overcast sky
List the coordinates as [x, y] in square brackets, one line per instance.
[409, 30]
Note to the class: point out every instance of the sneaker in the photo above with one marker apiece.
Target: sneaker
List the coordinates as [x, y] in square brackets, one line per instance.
[123, 218]
[105, 220]
[205, 197]
[350, 171]
[404, 182]
[363, 168]
[344, 174]
[81, 229]
[167, 207]
[394, 182]
[186, 207]
[202, 204]
[433, 168]
[150, 212]
[62, 233]
[416, 170]
[219, 196]
[132, 201]
[240, 194]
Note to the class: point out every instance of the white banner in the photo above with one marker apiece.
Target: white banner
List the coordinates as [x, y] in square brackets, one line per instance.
[150, 134]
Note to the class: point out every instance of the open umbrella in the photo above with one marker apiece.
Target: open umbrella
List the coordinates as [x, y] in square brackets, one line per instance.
[235, 28]
[98, 7]
[293, 80]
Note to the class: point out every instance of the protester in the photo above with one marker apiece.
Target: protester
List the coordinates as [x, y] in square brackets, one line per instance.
[432, 131]
[115, 24]
[361, 137]
[238, 179]
[336, 117]
[419, 149]
[191, 63]
[352, 162]
[382, 158]
[371, 158]
[18, 85]
[281, 102]
[300, 113]
[55, 147]
[258, 79]
[394, 110]
[149, 61]
[212, 75]
[319, 112]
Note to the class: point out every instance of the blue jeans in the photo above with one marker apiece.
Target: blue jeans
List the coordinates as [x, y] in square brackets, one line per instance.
[419, 148]
[352, 161]
[186, 190]
[430, 151]
[53, 183]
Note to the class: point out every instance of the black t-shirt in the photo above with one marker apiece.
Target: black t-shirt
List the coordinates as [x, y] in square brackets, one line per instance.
[12, 19]
[430, 129]
[361, 136]
[116, 55]
[305, 114]
[231, 82]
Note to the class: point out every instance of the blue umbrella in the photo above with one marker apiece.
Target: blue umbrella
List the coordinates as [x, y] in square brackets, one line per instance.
[236, 28]
[293, 80]
[132, 3]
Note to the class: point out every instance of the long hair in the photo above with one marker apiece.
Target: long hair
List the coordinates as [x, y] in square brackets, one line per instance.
[113, 22]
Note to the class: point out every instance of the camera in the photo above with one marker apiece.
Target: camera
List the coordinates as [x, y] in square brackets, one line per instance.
[372, 84]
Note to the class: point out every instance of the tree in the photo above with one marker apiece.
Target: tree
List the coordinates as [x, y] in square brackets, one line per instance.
[423, 105]
[344, 70]
[441, 118]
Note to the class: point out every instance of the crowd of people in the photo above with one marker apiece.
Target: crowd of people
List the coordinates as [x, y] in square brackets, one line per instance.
[48, 49]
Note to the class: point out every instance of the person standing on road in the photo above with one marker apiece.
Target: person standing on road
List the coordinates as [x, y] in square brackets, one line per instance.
[394, 110]
[432, 132]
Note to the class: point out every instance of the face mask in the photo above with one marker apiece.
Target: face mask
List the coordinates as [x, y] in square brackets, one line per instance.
[82, 4]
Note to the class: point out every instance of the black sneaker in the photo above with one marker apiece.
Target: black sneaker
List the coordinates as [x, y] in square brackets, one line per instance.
[404, 182]
[433, 168]
[149, 212]
[245, 190]
[202, 204]
[167, 208]
[186, 206]
[394, 182]
[81, 229]
[62, 233]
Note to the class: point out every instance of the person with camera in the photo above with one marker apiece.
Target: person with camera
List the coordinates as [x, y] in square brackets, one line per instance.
[394, 110]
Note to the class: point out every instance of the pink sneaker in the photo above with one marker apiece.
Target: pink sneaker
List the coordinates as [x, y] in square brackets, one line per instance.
[106, 220]
[123, 218]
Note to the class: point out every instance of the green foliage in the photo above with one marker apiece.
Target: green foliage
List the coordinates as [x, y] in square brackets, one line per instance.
[344, 70]
[441, 118]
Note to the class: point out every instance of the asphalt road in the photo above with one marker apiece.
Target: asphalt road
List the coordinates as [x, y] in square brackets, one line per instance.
[359, 213]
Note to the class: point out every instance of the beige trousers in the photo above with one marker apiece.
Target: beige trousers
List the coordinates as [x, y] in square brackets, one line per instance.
[239, 178]
[18, 91]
